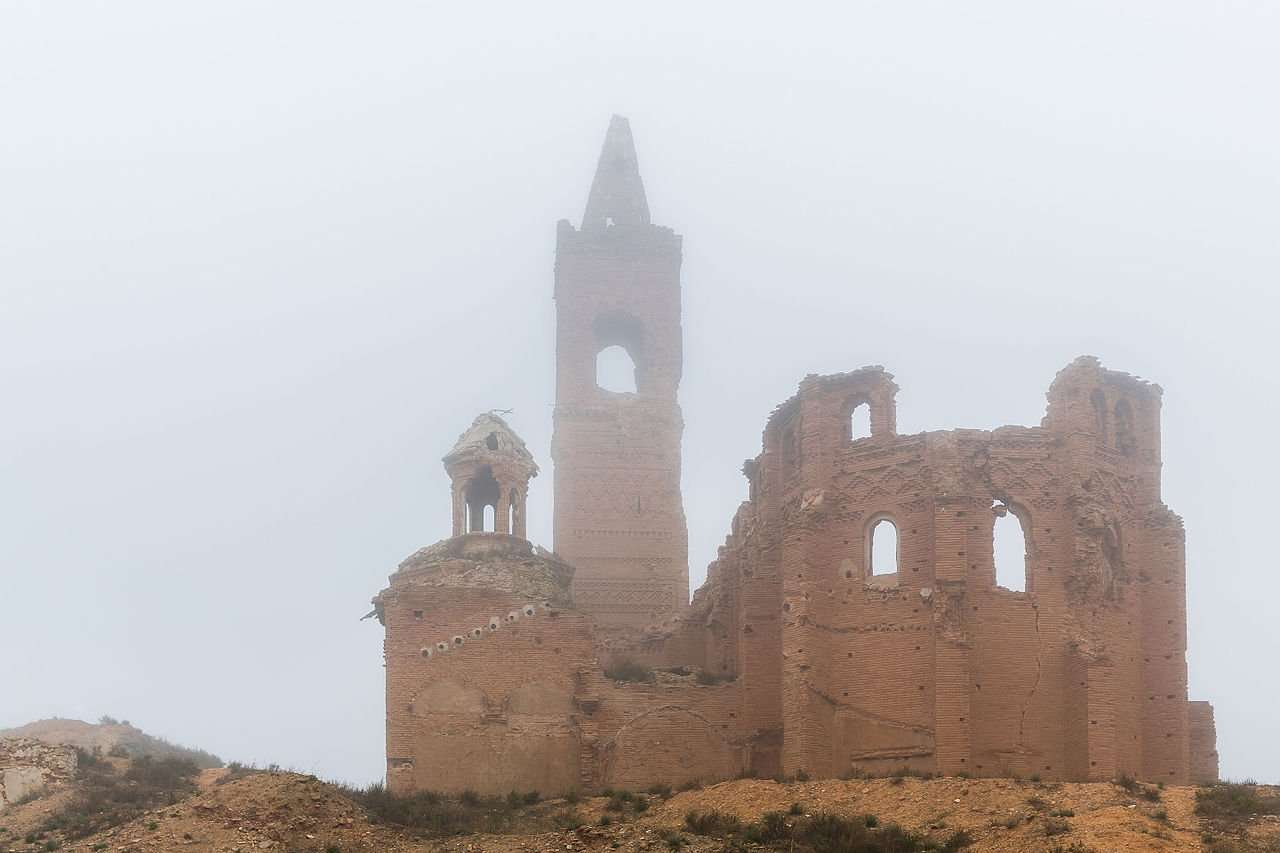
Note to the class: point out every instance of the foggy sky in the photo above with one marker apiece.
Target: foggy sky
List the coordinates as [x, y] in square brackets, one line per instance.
[260, 264]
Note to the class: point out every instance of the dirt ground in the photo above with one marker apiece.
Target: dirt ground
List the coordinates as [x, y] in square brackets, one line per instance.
[300, 814]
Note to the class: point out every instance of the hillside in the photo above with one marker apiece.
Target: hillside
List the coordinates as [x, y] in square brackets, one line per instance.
[106, 736]
[235, 809]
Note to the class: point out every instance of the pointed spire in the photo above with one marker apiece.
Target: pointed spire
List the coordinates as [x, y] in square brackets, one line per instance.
[617, 193]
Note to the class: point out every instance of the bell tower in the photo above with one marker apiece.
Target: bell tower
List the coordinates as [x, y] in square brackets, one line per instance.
[619, 516]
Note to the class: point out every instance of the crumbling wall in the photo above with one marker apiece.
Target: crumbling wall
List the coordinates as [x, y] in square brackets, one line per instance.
[28, 767]
[1204, 742]
[1082, 674]
[481, 675]
[796, 656]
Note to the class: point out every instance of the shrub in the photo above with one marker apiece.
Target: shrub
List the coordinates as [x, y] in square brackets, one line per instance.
[626, 669]
[1037, 803]
[827, 832]
[691, 785]
[714, 822]
[796, 809]
[1230, 800]
[830, 833]
[663, 791]
[1130, 784]
[431, 815]
[236, 770]
[107, 798]
[774, 826]
[674, 840]
[1062, 813]
[1161, 815]
[959, 840]
[1056, 826]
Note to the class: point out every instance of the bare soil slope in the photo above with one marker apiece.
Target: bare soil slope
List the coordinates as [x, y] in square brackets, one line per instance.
[291, 812]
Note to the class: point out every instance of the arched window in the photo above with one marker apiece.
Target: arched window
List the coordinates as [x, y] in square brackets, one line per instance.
[1009, 548]
[513, 511]
[1126, 438]
[620, 349]
[482, 501]
[860, 422]
[882, 547]
[615, 370]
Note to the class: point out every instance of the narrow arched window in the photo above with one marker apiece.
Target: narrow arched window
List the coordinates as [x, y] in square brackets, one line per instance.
[513, 511]
[860, 422]
[615, 370]
[1009, 548]
[481, 499]
[882, 548]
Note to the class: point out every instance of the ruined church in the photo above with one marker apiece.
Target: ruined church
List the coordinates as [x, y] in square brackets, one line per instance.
[510, 667]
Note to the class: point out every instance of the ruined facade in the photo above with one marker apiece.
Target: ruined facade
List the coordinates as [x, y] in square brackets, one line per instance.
[807, 649]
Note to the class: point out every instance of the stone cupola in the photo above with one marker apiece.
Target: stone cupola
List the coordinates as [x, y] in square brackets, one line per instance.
[490, 468]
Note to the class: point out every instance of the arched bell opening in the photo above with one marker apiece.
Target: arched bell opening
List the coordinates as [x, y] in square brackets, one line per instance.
[481, 498]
